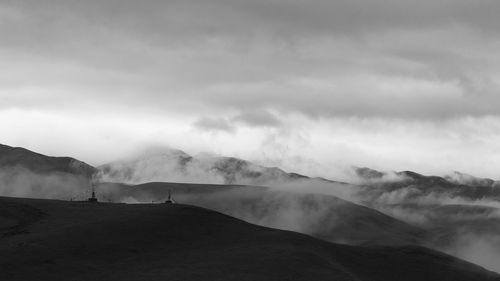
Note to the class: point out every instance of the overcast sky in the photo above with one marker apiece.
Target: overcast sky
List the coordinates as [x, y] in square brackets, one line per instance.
[312, 86]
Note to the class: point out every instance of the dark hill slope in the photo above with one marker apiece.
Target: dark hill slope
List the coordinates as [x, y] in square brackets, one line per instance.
[20, 157]
[24, 173]
[81, 241]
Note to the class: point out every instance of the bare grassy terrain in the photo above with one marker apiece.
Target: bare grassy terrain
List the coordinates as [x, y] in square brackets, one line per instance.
[59, 240]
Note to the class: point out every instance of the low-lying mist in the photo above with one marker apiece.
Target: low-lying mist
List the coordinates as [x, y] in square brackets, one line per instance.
[21, 182]
[345, 213]
[324, 216]
[441, 220]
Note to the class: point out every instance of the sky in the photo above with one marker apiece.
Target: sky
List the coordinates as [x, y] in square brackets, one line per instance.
[311, 86]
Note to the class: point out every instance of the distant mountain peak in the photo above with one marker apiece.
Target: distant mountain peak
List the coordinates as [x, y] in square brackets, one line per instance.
[410, 175]
[164, 152]
[368, 173]
[166, 164]
[463, 178]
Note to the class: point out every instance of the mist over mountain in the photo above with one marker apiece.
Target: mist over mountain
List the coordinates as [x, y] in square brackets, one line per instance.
[24, 173]
[410, 197]
[408, 185]
[457, 214]
[460, 212]
[170, 165]
[466, 179]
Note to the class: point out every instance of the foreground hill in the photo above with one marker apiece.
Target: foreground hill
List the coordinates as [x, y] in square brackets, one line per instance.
[57, 240]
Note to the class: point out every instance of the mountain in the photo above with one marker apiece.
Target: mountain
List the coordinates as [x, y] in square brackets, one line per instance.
[75, 241]
[461, 178]
[323, 216]
[409, 185]
[18, 157]
[24, 173]
[456, 213]
[460, 213]
[170, 165]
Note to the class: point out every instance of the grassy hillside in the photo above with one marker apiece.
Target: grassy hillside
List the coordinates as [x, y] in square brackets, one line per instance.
[58, 240]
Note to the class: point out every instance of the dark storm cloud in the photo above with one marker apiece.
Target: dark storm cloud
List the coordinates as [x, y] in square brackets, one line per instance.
[389, 58]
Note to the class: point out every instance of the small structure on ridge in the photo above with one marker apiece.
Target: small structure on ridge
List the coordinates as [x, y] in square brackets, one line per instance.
[93, 198]
[170, 199]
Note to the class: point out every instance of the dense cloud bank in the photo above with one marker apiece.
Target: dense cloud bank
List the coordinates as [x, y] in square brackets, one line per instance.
[319, 58]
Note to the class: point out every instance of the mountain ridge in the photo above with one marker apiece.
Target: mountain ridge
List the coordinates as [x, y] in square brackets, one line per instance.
[40, 163]
[172, 165]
